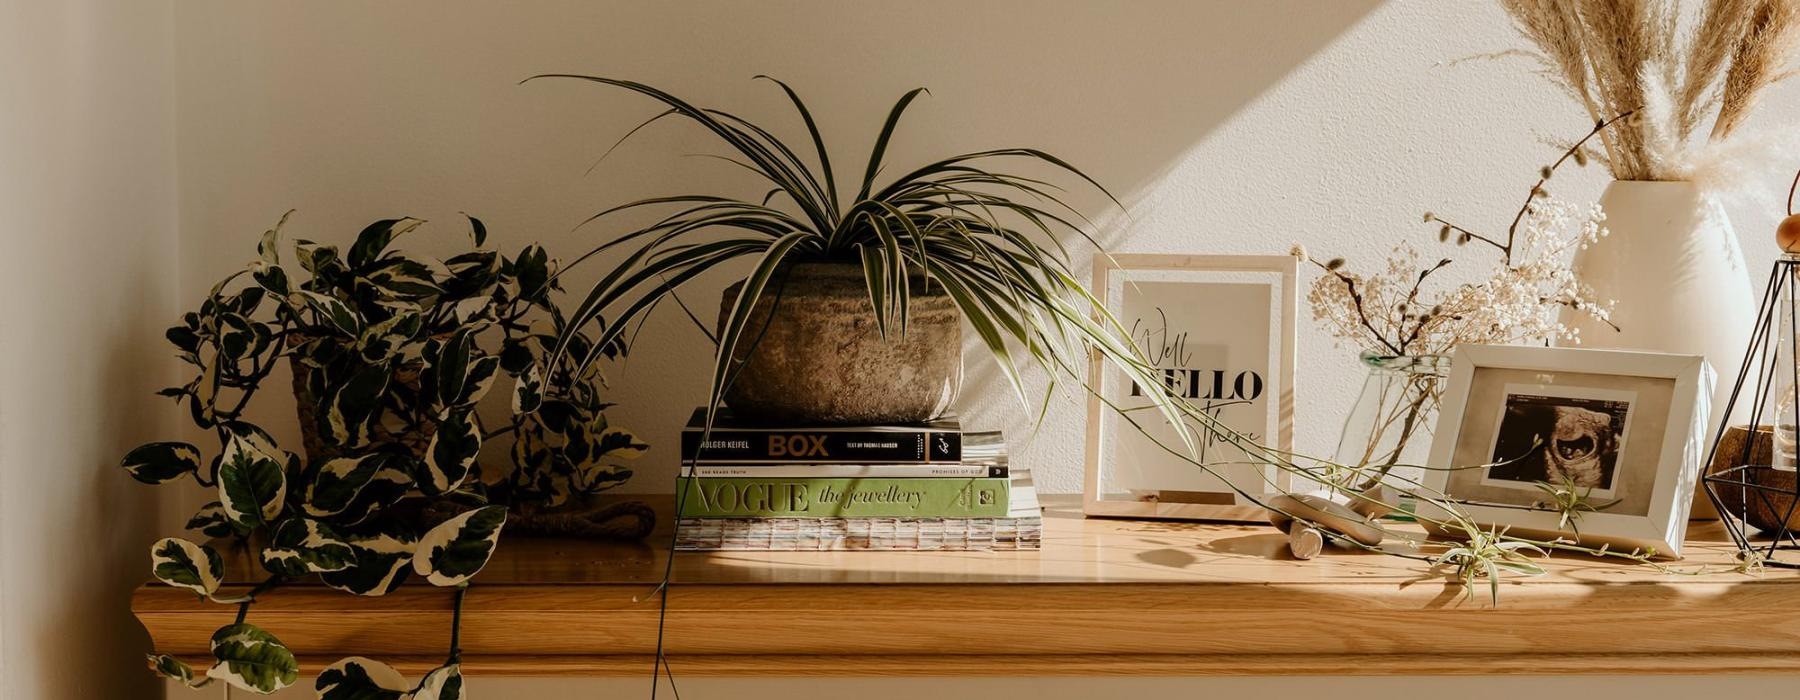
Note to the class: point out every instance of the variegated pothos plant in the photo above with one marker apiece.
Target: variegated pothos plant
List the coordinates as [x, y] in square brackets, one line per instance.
[390, 352]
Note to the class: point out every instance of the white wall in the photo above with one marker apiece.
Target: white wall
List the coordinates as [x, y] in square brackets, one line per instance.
[1226, 126]
[88, 277]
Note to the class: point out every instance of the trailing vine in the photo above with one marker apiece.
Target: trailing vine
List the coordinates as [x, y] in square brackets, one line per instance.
[389, 363]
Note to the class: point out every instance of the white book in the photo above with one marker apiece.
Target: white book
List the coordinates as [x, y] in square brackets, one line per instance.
[849, 471]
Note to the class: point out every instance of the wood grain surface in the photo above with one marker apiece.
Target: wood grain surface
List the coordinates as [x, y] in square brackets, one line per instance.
[1102, 597]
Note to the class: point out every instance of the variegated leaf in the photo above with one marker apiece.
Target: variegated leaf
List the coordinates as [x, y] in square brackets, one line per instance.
[528, 391]
[443, 683]
[314, 256]
[619, 443]
[300, 546]
[336, 483]
[451, 454]
[252, 659]
[456, 550]
[251, 483]
[212, 521]
[389, 485]
[357, 678]
[175, 669]
[482, 374]
[382, 563]
[335, 312]
[450, 365]
[383, 340]
[400, 275]
[184, 564]
[161, 462]
[375, 238]
[348, 417]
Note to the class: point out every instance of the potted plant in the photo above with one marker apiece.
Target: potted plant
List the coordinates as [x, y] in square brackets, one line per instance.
[851, 312]
[391, 353]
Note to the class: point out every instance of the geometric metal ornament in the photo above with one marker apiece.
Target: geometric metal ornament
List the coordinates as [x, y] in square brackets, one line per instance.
[1756, 492]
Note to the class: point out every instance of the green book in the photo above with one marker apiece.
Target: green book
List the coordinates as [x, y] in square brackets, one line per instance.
[939, 497]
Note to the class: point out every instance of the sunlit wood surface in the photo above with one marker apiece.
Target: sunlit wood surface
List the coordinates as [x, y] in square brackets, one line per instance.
[1102, 597]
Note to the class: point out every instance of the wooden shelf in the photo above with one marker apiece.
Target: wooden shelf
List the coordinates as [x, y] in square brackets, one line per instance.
[1102, 597]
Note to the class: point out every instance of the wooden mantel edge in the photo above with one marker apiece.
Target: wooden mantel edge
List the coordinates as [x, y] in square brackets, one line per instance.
[1102, 665]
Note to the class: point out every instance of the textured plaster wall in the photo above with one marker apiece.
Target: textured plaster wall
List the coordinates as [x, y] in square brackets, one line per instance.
[1225, 127]
[87, 283]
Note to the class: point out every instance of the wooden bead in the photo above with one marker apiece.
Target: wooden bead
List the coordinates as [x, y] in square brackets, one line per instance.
[1787, 234]
[1305, 542]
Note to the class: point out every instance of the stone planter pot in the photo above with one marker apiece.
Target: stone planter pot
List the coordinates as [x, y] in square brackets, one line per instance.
[813, 356]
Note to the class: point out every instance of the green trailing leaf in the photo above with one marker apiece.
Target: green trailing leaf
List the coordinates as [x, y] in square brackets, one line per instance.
[183, 564]
[390, 483]
[357, 678]
[477, 231]
[162, 462]
[337, 483]
[450, 366]
[252, 659]
[443, 683]
[347, 420]
[618, 443]
[335, 313]
[403, 278]
[528, 391]
[380, 341]
[300, 546]
[252, 485]
[212, 521]
[381, 563]
[456, 550]
[375, 239]
[479, 381]
[175, 669]
[451, 453]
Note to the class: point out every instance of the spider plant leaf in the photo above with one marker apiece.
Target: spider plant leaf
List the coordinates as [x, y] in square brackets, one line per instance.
[875, 276]
[812, 130]
[881, 142]
[721, 124]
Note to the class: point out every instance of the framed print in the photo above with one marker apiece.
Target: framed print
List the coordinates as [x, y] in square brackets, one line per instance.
[1624, 428]
[1221, 330]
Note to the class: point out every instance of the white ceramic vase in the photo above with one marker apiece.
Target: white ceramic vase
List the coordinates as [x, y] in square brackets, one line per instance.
[1673, 268]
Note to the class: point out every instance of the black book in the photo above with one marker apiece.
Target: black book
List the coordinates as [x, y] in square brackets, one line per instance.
[736, 442]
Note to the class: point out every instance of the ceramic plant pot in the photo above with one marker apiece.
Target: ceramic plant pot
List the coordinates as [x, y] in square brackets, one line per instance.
[812, 354]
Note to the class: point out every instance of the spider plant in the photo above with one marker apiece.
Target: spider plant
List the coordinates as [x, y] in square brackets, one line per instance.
[1569, 500]
[989, 238]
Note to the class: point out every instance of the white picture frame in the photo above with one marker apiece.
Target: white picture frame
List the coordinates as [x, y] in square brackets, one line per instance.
[1127, 476]
[1630, 425]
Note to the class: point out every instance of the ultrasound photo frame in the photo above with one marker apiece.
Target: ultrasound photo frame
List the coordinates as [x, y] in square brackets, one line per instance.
[1650, 407]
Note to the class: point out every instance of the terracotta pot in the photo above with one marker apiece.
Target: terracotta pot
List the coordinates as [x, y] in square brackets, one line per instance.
[812, 354]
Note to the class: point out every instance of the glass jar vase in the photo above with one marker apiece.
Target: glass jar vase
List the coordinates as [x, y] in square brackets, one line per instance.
[1388, 432]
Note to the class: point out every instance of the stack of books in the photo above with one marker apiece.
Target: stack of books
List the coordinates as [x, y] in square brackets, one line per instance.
[902, 487]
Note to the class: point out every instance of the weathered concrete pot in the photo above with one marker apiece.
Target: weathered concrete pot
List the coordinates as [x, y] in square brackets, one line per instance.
[813, 356]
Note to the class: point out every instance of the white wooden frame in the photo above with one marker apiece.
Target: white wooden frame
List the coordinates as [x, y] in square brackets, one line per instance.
[1094, 503]
[1678, 467]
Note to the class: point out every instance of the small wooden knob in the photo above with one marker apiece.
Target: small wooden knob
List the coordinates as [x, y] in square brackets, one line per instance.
[1787, 234]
